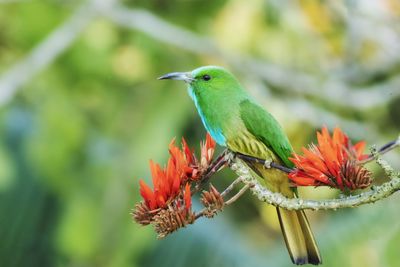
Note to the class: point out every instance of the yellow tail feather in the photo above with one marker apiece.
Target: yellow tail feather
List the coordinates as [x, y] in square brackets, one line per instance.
[298, 237]
[294, 224]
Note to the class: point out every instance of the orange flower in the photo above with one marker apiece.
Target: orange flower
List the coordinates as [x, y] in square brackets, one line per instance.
[196, 167]
[166, 182]
[168, 205]
[332, 162]
[187, 196]
[182, 166]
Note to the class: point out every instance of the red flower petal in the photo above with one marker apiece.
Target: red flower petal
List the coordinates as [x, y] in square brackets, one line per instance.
[147, 195]
[359, 149]
[301, 180]
[168, 181]
[187, 197]
[188, 153]
[323, 163]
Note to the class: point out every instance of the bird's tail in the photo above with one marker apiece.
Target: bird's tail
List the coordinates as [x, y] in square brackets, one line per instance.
[298, 237]
[294, 224]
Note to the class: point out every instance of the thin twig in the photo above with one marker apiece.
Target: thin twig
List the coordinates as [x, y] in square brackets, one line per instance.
[200, 214]
[263, 161]
[384, 149]
[237, 195]
[214, 167]
[231, 186]
[204, 211]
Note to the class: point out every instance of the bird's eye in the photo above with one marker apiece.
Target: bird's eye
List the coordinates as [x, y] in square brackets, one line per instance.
[206, 77]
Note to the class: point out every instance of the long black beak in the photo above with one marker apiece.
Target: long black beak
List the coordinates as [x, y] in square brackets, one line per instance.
[182, 76]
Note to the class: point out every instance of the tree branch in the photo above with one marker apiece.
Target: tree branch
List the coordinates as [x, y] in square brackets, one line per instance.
[303, 84]
[374, 194]
[49, 49]
[44, 53]
[262, 161]
[384, 149]
[332, 89]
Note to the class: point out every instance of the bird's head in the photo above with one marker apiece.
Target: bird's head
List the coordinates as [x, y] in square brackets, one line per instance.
[207, 79]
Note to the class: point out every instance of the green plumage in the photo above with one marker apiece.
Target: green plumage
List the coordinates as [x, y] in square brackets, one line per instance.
[236, 121]
[266, 129]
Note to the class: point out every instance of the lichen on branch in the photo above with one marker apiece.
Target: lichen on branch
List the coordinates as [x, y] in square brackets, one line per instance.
[262, 193]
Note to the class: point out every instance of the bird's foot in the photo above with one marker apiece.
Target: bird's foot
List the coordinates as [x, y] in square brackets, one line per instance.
[267, 163]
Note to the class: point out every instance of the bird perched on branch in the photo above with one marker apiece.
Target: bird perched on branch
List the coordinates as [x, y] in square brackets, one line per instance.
[237, 122]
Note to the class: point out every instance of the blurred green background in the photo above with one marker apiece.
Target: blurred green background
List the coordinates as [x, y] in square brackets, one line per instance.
[82, 113]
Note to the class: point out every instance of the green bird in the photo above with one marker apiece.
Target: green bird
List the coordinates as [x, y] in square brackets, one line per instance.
[237, 122]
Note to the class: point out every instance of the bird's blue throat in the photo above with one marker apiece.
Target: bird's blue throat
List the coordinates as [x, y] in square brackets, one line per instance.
[216, 133]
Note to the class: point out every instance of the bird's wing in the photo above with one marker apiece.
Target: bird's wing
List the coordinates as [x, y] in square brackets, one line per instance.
[264, 127]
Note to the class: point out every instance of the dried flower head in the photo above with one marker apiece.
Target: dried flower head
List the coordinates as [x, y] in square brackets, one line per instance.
[168, 205]
[178, 214]
[355, 176]
[141, 214]
[170, 220]
[332, 162]
[212, 201]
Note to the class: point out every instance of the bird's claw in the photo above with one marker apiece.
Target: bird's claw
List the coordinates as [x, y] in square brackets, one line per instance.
[267, 163]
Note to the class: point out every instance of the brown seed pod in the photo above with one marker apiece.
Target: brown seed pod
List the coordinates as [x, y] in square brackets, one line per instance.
[212, 201]
[171, 219]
